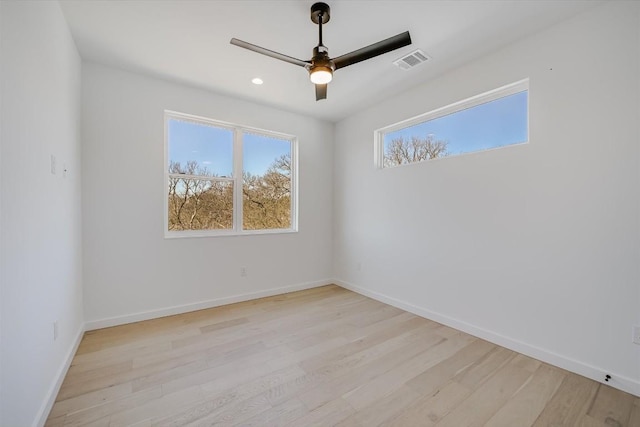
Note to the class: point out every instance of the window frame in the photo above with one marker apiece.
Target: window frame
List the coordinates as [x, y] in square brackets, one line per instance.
[474, 101]
[236, 177]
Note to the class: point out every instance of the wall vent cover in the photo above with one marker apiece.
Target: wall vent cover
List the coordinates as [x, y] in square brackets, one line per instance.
[412, 59]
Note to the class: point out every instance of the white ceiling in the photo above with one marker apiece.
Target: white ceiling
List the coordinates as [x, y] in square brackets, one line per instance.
[188, 41]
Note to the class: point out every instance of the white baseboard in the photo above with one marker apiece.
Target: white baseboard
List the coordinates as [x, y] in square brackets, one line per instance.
[597, 374]
[179, 309]
[43, 414]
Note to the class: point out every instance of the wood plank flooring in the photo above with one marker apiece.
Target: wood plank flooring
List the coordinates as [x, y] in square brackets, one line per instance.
[321, 357]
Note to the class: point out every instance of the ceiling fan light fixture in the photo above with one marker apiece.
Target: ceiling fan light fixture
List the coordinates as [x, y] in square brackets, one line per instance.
[320, 75]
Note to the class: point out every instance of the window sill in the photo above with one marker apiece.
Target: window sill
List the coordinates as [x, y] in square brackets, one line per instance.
[223, 233]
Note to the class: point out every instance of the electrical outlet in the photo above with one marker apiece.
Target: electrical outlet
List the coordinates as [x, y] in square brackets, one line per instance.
[53, 164]
[636, 334]
[243, 271]
[55, 330]
[359, 266]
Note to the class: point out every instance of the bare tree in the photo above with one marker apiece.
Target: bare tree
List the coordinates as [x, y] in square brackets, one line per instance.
[267, 198]
[404, 151]
[196, 203]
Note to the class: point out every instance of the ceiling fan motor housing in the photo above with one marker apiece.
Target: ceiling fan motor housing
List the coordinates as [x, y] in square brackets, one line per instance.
[321, 58]
[322, 67]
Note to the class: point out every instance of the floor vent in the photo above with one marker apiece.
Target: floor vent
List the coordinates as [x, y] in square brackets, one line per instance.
[411, 60]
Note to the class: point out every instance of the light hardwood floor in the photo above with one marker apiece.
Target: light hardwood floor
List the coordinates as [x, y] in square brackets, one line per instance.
[321, 357]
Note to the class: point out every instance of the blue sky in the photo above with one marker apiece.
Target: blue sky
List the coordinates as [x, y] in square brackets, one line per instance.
[493, 124]
[213, 147]
[260, 151]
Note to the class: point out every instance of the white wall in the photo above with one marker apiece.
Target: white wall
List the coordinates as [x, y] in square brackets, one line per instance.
[536, 246]
[40, 248]
[2, 389]
[130, 271]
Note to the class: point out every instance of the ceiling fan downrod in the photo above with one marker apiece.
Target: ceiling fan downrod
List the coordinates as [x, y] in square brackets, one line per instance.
[320, 14]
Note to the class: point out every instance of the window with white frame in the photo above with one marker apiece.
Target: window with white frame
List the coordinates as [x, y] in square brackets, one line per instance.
[226, 179]
[490, 120]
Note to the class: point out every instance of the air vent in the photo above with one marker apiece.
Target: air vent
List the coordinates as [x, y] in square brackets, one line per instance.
[411, 60]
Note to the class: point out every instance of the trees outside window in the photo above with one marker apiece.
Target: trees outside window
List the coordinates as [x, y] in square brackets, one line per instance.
[402, 151]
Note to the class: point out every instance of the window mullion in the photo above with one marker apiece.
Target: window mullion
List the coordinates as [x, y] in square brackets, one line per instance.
[237, 184]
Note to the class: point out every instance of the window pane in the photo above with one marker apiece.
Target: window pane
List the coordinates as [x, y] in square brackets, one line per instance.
[200, 149]
[200, 204]
[493, 124]
[266, 178]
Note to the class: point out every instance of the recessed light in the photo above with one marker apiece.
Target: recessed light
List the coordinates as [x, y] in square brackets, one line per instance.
[257, 81]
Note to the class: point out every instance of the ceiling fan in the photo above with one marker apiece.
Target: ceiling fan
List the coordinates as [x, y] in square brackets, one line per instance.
[320, 66]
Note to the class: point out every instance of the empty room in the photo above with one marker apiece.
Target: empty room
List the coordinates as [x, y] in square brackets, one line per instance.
[299, 213]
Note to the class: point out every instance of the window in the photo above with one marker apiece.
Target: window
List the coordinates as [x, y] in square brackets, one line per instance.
[225, 179]
[494, 119]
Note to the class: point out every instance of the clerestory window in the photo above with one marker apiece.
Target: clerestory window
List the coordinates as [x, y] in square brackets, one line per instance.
[493, 119]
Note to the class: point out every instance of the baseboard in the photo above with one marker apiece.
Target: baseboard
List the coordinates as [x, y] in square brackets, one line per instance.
[597, 374]
[179, 309]
[43, 414]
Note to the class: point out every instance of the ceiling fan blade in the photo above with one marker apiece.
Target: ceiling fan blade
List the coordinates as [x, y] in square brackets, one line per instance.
[270, 53]
[384, 46]
[321, 91]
